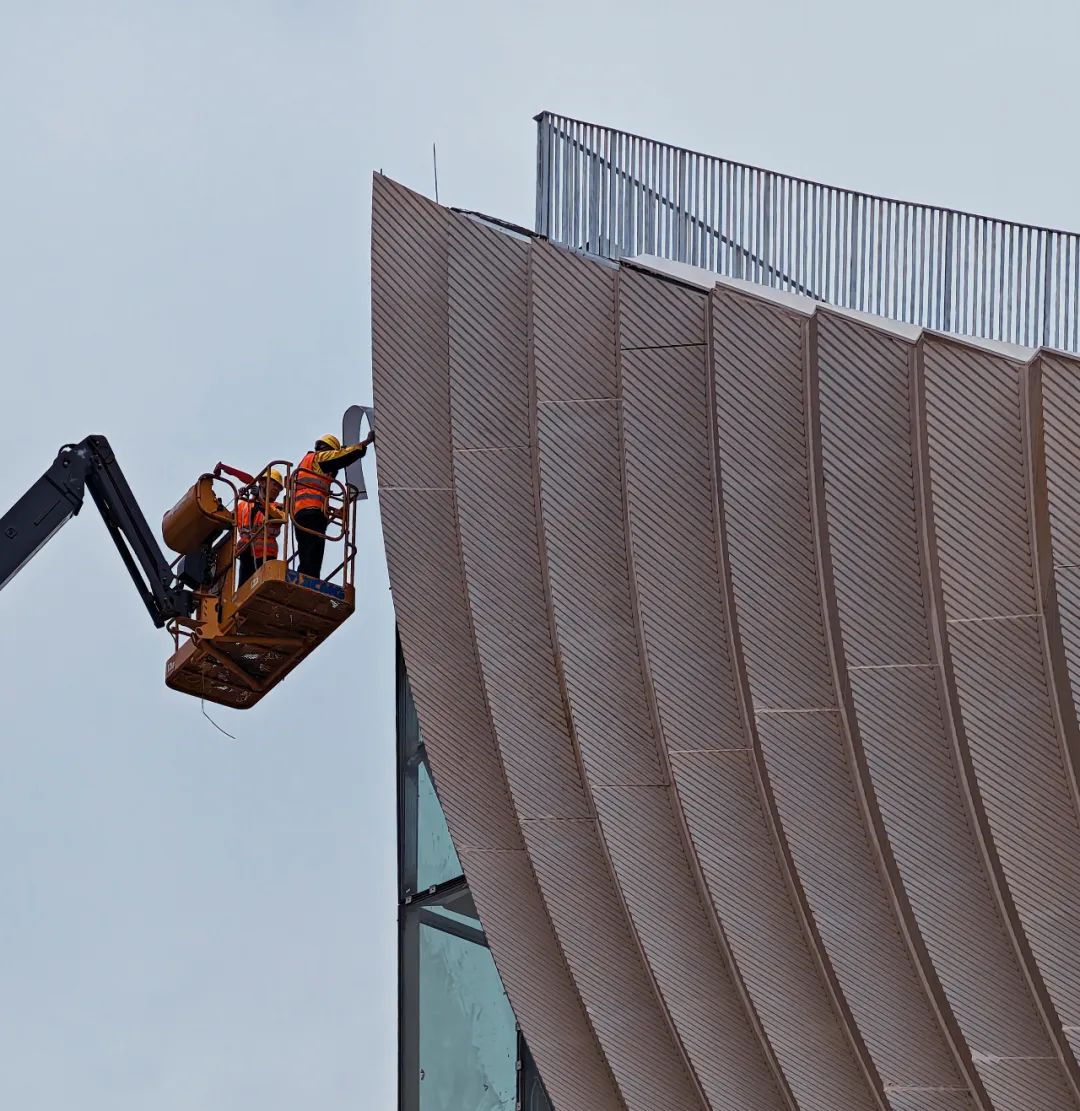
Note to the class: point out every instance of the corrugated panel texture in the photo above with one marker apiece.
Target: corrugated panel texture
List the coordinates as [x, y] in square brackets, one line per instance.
[573, 308]
[981, 518]
[641, 832]
[500, 546]
[426, 573]
[868, 464]
[1061, 423]
[758, 361]
[493, 471]
[677, 570]
[656, 313]
[612, 979]
[562, 512]
[979, 492]
[731, 834]
[522, 941]
[586, 551]
[488, 348]
[409, 324]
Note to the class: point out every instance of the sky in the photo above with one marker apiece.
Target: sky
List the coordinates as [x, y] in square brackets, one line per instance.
[188, 920]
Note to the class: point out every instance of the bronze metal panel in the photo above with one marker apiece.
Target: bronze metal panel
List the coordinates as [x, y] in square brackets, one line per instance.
[666, 908]
[573, 338]
[581, 495]
[979, 492]
[657, 313]
[409, 324]
[411, 370]
[778, 537]
[503, 577]
[1061, 420]
[673, 531]
[489, 382]
[880, 588]
[730, 832]
[1023, 780]
[757, 356]
[528, 956]
[622, 1005]
[985, 521]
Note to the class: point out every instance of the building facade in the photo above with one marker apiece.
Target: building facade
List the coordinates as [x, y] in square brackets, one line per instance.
[742, 629]
[460, 1046]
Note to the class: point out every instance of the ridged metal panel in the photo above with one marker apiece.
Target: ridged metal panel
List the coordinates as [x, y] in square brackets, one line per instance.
[873, 534]
[816, 802]
[642, 835]
[757, 356]
[1067, 593]
[493, 468]
[581, 493]
[586, 552]
[488, 306]
[1022, 778]
[720, 797]
[502, 572]
[759, 363]
[673, 530]
[409, 322]
[1061, 422]
[621, 1004]
[426, 574]
[712, 999]
[590, 962]
[673, 527]
[978, 480]
[526, 952]
[658, 314]
[981, 516]
[573, 351]
[869, 482]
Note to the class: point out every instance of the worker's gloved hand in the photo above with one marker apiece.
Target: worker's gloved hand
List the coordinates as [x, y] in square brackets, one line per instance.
[217, 470]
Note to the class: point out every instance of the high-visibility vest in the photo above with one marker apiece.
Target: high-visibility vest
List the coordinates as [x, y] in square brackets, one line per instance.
[311, 488]
[249, 530]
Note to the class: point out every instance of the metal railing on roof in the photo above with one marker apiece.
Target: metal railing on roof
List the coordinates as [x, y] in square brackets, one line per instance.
[616, 194]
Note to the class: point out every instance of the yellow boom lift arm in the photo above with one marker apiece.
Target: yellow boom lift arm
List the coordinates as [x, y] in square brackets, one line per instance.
[232, 643]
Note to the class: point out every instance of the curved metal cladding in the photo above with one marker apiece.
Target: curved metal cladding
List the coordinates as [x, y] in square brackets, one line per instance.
[742, 634]
[1015, 702]
[410, 364]
[901, 694]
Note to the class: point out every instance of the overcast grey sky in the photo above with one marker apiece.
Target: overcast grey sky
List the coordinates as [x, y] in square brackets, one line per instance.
[192, 922]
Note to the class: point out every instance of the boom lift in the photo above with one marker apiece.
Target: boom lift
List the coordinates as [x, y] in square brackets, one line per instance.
[231, 644]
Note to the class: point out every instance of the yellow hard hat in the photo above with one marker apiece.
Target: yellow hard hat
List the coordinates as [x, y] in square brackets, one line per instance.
[330, 439]
[277, 476]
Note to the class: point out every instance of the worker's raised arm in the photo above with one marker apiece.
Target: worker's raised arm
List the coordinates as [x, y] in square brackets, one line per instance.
[330, 462]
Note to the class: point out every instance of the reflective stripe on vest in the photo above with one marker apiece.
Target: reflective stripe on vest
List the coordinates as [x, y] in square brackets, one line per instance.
[311, 488]
[249, 530]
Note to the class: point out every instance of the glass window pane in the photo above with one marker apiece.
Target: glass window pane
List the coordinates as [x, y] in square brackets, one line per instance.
[436, 860]
[468, 1040]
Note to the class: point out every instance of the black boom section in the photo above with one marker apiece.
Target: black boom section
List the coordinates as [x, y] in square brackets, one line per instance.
[58, 495]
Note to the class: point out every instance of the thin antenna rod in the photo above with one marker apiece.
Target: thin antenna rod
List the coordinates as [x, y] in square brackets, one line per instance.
[435, 167]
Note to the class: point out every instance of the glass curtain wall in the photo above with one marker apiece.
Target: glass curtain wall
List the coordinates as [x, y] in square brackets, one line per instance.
[459, 1045]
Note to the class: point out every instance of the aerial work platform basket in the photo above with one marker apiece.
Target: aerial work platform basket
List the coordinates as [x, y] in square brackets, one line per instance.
[244, 639]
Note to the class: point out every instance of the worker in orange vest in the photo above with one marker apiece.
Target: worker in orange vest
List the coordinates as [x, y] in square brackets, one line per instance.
[311, 496]
[257, 537]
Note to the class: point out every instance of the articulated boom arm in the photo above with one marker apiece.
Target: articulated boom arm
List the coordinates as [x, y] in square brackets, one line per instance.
[58, 495]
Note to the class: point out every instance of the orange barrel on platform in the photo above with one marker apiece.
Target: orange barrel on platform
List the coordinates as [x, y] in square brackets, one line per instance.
[194, 519]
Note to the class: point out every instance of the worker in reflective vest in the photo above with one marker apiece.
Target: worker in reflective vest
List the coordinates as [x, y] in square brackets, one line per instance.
[257, 538]
[311, 496]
